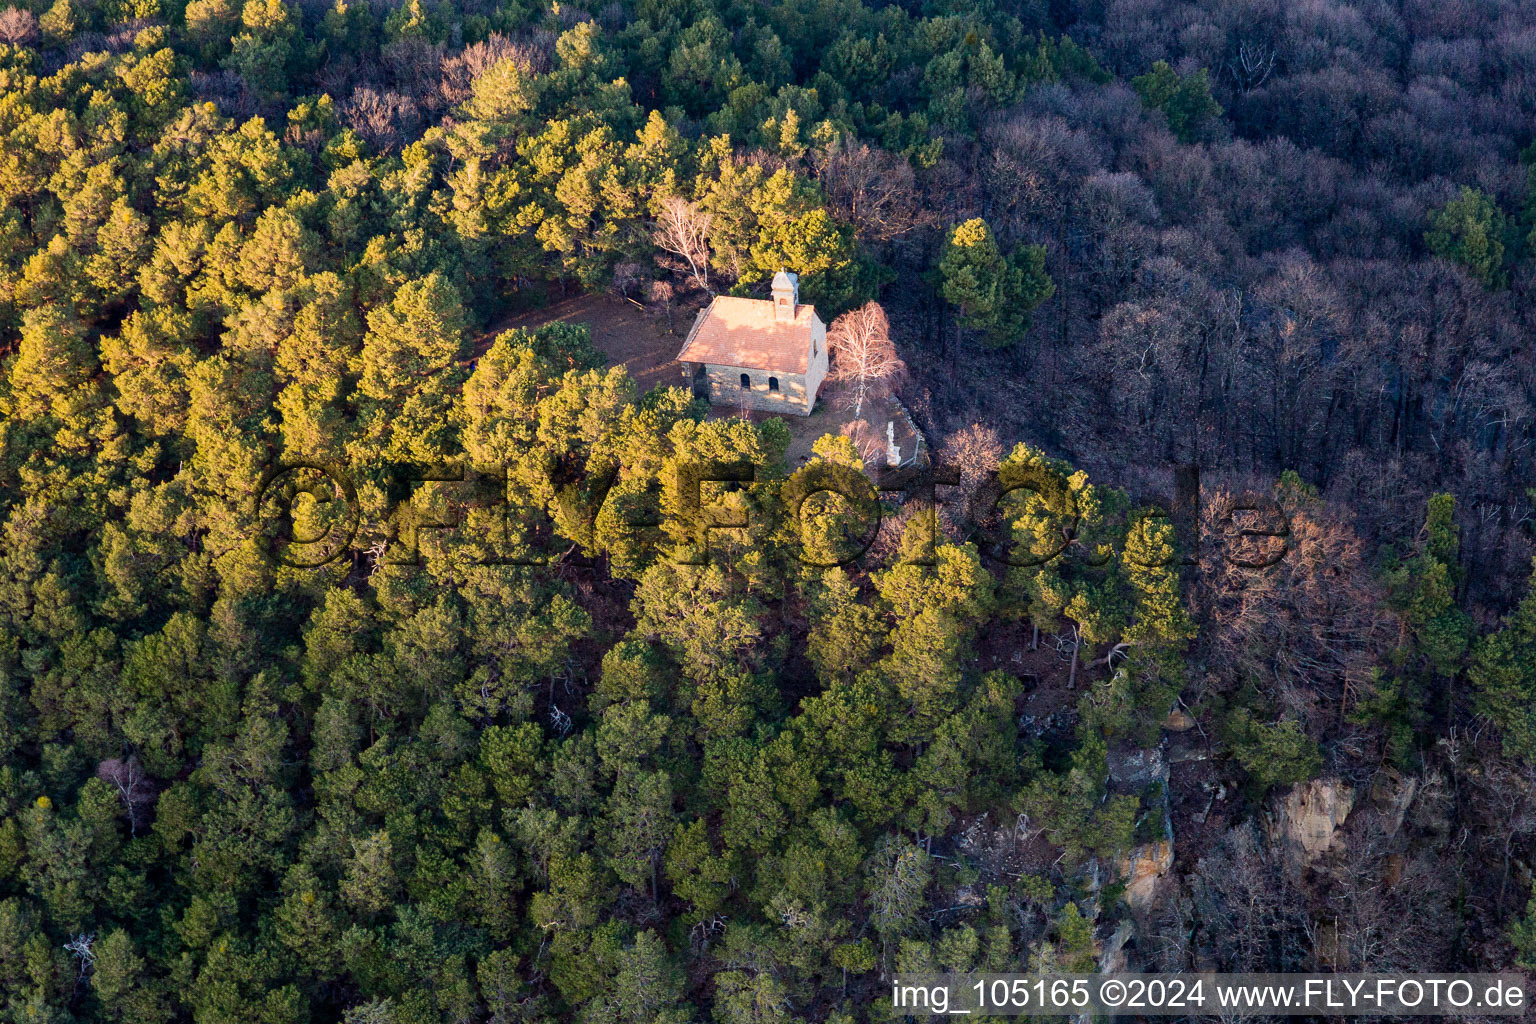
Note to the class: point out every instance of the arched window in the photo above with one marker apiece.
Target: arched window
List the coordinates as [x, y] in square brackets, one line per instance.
[773, 383]
[746, 381]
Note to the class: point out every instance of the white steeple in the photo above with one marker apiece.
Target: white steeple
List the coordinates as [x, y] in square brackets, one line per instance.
[786, 294]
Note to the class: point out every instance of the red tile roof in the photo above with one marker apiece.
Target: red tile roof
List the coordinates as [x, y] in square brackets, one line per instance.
[742, 332]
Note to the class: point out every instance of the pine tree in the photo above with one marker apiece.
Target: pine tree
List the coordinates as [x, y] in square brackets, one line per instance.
[410, 373]
[1522, 935]
[846, 632]
[1424, 590]
[1503, 675]
[1471, 230]
[994, 294]
[1186, 100]
[974, 277]
[54, 367]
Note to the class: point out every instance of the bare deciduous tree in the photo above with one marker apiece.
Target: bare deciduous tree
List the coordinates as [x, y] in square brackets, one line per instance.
[133, 787]
[627, 277]
[18, 27]
[226, 90]
[662, 293]
[414, 66]
[1387, 909]
[1252, 66]
[1239, 892]
[385, 120]
[682, 229]
[463, 69]
[80, 948]
[1307, 628]
[864, 360]
[869, 442]
[974, 452]
[872, 188]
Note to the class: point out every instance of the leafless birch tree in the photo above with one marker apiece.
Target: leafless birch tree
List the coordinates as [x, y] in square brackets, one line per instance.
[134, 788]
[682, 229]
[864, 360]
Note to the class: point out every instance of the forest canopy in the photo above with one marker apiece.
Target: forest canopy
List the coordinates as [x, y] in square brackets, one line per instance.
[540, 746]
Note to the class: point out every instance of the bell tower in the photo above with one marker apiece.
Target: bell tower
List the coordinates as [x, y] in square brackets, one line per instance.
[786, 295]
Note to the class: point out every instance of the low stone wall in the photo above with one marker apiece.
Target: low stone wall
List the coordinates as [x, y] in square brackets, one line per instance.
[919, 456]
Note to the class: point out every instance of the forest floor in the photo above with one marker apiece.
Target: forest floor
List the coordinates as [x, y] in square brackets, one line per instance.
[639, 338]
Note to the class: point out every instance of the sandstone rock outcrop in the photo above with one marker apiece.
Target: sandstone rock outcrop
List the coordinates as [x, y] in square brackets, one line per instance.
[1141, 870]
[1305, 821]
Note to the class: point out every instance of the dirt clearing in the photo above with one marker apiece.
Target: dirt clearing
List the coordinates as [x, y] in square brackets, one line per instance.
[638, 338]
